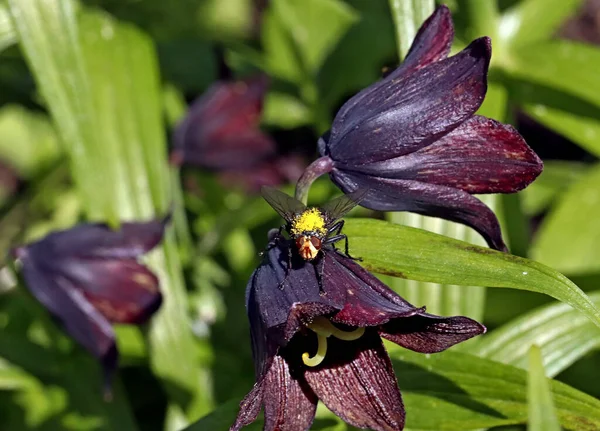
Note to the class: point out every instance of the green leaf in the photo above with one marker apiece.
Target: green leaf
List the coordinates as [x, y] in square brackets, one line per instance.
[561, 65]
[563, 334]
[371, 40]
[29, 141]
[566, 114]
[444, 299]
[100, 81]
[568, 237]
[408, 16]
[557, 177]
[285, 111]
[467, 392]
[8, 35]
[420, 255]
[314, 27]
[542, 416]
[531, 21]
[453, 391]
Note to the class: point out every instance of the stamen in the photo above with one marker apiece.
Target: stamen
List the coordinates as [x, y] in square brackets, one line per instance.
[319, 356]
[324, 328]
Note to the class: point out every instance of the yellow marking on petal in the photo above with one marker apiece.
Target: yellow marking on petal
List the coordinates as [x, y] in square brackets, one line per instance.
[319, 356]
[311, 220]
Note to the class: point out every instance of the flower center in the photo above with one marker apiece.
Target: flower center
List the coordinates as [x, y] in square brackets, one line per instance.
[324, 328]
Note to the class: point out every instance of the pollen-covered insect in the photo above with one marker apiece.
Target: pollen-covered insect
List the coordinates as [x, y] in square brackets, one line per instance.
[312, 227]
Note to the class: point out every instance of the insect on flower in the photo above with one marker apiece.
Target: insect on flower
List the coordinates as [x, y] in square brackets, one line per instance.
[312, 228]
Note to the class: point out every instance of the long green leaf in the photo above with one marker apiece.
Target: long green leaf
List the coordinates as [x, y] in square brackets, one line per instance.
[8, 35]
[100, 81]
[562, 65]
[531, 21]
[453, 391]
[568, 237]
[420, 255]
[542, 416]
[555, 180]
[563, 334]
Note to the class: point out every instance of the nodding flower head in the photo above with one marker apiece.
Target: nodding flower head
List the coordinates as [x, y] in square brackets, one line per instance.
[89, 276]
[316, 331]
[413, 139]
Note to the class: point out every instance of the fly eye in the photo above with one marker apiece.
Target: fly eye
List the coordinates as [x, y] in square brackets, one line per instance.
[316, 242]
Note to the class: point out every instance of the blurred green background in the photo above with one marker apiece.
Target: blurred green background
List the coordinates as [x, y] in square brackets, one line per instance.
[89, 94]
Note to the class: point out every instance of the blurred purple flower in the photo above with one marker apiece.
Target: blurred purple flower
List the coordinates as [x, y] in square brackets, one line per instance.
[413, 141]
[89, 277]
[316, 331]
[221, 133]
[221, 129]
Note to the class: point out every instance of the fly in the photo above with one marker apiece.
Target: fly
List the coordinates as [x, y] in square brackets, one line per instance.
[312, 228]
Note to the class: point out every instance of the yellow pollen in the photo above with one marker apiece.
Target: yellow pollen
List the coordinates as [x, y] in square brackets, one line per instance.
[324, 329]
[311, 220]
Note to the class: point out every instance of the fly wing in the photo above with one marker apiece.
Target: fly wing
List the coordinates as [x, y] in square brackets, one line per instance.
[285, 205]
[338, 207]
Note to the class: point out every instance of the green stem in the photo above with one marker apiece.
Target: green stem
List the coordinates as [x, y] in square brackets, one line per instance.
[408, 16]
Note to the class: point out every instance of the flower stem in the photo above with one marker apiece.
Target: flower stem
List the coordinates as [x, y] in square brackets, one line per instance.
[322, 165]
[408, 15]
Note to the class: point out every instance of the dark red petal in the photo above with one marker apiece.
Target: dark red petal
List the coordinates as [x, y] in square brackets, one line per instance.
[124, 291]
[99, 241]
[480, 156]
[225, 119]
[249, 407]
[78, 317]
[428, 333]
[243, 150]
[402, 115]
[356, 382]
[427, 199]
[432, 43]
[368, 301]
[284, 299]
[290, 404]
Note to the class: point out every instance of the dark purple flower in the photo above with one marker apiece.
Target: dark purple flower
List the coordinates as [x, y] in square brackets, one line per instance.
[316, 331]
[89, 277]
[413, 139]
[221, 129]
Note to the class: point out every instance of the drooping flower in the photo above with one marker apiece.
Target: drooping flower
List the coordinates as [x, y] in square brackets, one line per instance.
[221, 129]
[316, 335]
[413, 139]
[221, 133]
[89, 277]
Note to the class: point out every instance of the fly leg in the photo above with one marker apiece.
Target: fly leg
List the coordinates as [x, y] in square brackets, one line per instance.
[337, 236]
[288, 269]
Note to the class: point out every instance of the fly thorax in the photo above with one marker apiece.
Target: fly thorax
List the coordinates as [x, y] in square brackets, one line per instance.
[310, 220]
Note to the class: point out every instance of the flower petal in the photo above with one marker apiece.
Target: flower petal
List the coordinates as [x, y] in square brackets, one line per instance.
[78, 317]
[480, 156]
[427, 333]
[427, 199]
[368, 301]
[290, 404]
[100, 241]
[356, 382]
[221, 129]
[124, 291]
[402, 115]
[285, 298]
[432, 42]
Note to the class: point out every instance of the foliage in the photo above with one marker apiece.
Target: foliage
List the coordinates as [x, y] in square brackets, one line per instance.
[91, 91]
